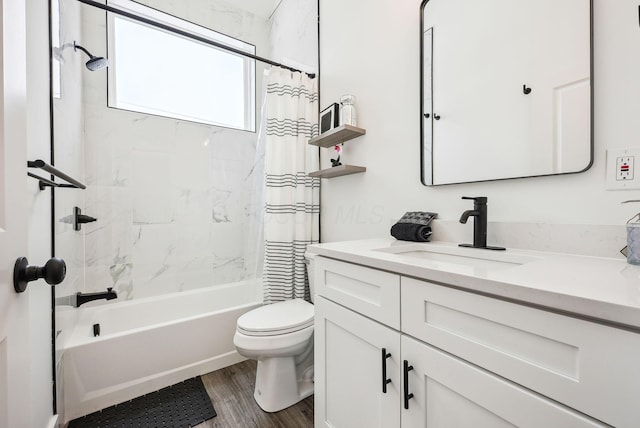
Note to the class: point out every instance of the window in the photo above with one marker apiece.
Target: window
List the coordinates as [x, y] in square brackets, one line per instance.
[162, 73]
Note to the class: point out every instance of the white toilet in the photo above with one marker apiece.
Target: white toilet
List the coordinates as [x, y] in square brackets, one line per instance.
[280, 337]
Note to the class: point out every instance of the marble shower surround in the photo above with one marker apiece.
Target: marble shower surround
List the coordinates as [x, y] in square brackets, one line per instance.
[172, 198]
[172, 216]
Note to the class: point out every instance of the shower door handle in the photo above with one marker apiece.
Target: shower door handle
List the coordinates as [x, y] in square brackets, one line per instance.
[385, 381]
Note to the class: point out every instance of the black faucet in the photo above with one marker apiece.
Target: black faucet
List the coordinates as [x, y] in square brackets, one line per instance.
[82, 298]
[479, 225]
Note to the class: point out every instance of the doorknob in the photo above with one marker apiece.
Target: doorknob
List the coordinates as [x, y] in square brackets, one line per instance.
[53, 272]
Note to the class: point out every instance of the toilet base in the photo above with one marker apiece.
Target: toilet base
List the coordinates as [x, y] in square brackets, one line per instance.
[279, 385]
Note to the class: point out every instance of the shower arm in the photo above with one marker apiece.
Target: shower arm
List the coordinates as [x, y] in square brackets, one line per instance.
[76, 47]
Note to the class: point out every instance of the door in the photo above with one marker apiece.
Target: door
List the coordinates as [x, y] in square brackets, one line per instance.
[14, 315]
[450, 393]
[350, 367]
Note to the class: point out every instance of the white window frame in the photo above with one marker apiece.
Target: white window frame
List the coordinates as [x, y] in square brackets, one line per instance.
[191, 28]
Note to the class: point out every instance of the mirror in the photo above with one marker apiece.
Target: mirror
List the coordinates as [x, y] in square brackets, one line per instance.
[506, 89]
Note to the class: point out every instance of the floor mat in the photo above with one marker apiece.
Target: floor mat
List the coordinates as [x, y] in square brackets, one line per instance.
[182, 405]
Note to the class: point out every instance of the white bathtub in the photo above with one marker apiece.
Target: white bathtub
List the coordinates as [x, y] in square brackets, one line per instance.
[148, 344]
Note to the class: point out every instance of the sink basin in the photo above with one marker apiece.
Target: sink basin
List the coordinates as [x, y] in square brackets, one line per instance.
[469, 257]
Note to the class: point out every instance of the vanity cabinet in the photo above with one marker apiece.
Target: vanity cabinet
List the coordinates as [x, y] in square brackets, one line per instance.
[468, 360]
[350, 363]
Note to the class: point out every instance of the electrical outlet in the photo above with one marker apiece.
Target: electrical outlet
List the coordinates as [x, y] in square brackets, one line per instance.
[620, 173]
[624, 168]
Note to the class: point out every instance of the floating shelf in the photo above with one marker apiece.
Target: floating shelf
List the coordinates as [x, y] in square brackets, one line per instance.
[337, 171]
[337, 135]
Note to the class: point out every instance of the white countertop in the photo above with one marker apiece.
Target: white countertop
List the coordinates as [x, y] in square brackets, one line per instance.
[595, 287]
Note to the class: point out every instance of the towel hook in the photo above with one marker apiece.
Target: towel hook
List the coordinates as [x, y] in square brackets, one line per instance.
[526, 90]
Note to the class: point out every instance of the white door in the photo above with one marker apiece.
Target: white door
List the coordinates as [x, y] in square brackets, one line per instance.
[14, 315]
[349, 370]
[450, 393]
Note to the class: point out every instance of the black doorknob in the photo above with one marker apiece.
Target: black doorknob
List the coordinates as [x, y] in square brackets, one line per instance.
[53, 273]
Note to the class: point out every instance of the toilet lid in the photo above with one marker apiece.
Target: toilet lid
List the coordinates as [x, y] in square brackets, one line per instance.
[278, 318]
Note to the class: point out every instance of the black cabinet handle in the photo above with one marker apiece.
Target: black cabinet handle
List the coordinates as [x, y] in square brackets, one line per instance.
[385, 381]
[407, 395]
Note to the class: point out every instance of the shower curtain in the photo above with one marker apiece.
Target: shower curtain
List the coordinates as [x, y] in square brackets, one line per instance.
[292, 206]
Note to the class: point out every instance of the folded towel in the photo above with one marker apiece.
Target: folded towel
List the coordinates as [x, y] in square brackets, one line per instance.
[413, 226]
[411, 232]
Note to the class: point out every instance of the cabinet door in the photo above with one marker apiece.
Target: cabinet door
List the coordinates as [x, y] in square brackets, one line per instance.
[349, 368]
[450, 393]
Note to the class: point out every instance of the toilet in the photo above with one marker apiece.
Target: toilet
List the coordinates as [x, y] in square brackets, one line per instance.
[280, 337]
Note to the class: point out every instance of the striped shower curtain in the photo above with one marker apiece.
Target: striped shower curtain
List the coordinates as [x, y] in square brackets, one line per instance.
[292, 209]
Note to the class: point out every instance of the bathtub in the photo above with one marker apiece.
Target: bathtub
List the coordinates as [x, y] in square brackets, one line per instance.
[148, 344]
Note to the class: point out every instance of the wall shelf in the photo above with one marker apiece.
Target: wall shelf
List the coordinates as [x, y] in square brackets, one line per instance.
[337, 135]
[338, 171]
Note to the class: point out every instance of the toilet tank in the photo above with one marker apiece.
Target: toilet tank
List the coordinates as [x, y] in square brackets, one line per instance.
[310, 262]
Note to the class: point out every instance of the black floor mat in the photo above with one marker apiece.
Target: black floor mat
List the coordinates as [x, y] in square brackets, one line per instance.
[182, 405]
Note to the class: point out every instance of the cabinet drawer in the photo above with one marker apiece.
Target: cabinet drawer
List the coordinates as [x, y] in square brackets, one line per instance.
[448, 392]
[590, 367]
[369, 292]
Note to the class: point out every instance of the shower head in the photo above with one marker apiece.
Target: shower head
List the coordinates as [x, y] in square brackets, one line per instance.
[95, 62]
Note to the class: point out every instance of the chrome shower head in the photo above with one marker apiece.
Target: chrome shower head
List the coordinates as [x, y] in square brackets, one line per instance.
[95, 62]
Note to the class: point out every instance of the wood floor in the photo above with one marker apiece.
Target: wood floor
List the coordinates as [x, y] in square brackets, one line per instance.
[231, 390]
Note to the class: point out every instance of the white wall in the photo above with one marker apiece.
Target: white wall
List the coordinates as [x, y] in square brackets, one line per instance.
[371, 50]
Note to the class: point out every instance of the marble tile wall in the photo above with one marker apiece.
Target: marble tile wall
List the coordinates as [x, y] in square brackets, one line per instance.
[69, 156]
[172, 197]
[294, 34]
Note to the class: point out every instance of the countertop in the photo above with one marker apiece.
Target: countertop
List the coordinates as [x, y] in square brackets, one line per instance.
[596, 288]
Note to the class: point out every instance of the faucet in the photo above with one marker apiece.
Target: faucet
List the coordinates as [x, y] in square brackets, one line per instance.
[82, 298]
[479, 212]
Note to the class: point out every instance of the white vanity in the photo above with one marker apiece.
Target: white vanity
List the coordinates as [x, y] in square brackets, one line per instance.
[433, 335]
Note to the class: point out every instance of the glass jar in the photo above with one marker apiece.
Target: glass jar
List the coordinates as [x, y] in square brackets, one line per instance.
[348, 110]
[633, 243]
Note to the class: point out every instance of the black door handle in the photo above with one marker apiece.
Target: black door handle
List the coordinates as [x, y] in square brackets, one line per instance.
[53, 272]
[385, 381]
[407, 395]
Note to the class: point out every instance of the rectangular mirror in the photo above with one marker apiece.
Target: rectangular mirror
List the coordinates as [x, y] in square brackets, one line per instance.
[506, 89]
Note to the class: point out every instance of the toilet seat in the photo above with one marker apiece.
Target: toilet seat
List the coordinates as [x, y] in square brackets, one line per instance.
[279, 318]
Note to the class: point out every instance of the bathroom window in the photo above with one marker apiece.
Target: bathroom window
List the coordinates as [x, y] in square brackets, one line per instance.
[161, 73]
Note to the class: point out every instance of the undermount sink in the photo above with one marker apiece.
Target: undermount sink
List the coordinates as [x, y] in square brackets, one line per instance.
[470, 257]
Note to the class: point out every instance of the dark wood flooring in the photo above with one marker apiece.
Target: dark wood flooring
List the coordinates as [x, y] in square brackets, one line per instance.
[231, 390]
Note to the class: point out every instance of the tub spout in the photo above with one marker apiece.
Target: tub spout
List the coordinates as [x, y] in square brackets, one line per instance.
[82, 298]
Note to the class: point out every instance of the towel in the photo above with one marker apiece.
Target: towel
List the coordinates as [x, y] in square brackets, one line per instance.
[411, 232]
[413, 226]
